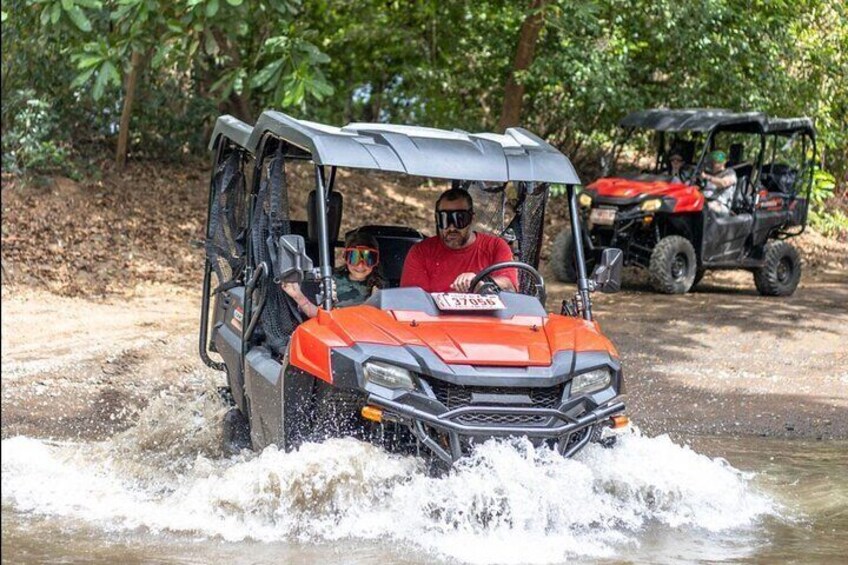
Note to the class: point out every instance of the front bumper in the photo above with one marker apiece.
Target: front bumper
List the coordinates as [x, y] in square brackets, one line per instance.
[446, 436]
[634, 231]
[456, 406]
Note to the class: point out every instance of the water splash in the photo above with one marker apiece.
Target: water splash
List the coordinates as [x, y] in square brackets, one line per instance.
[508, 502]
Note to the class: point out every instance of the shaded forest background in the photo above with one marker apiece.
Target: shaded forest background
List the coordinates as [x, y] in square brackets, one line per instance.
[89, 83]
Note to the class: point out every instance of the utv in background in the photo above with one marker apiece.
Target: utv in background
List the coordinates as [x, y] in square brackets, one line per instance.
[412, 371]
[663, 224]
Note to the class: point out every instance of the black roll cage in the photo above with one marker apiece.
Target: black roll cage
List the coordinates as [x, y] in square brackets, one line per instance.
[766, 129]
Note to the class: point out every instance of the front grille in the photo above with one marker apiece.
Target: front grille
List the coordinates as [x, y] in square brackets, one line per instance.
[484, 419]
[457, 396]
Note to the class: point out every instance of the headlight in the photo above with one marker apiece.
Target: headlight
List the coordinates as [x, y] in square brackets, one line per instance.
[591, 381]
[651, 205]
[389, 376]
[584, 200]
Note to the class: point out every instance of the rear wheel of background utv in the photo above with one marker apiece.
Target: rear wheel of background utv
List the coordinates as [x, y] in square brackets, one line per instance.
[782, 270]
[673, 265]
[564, 258]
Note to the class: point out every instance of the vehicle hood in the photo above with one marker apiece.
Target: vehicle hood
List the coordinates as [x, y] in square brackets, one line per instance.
[456, 339]
[618, 187]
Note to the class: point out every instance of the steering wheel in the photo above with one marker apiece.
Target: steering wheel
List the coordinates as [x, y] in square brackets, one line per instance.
[489, 285]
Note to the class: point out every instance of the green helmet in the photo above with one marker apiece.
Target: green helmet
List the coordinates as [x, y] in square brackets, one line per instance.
[718, 157]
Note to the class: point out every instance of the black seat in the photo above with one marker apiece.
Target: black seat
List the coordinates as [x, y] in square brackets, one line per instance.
[299, 227]
[334, 224]
[686, 149]
[395, 242]
[779, 178]
[742, 197]
[736, 155]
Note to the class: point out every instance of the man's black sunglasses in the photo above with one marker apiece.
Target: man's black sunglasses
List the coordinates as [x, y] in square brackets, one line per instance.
[460, 219]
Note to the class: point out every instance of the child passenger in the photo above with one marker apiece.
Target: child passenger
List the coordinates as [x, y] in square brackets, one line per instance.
[355, 281]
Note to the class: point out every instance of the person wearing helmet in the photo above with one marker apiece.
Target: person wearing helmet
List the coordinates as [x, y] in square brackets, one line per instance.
[354, 281]
[720, 183]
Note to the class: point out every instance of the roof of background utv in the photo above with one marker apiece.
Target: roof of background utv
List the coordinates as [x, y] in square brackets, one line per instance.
[788, 126]
[691, 119]
[517, 155]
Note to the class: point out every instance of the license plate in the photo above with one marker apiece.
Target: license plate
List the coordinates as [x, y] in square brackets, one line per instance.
[463, 301]
[602, 216]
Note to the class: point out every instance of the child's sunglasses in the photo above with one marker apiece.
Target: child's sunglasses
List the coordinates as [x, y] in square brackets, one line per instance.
[361, 254]
[460, 219]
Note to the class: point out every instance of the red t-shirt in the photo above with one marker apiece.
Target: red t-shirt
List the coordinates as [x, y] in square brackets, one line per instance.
[434, 266]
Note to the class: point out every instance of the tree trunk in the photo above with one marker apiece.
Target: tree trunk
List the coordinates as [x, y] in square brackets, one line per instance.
[376, 102]
[527, 37]
[347, 116]
[126, 112]
[242, 107]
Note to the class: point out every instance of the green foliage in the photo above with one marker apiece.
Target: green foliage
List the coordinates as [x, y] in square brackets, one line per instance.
[831, 223]
[292, 73]
[825, 213]
[31, 142]
[824, 184]
[442, 64]
[198, 58]
[559, 190]
[96, 59]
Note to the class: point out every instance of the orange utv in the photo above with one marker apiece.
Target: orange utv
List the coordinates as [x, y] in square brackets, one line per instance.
[418, 373]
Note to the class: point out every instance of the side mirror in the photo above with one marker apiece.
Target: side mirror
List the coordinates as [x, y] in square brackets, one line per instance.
[607, 275]
[289, 260]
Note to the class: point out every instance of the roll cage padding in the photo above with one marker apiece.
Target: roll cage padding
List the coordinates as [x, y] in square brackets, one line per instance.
[279, 316]
[225, 244]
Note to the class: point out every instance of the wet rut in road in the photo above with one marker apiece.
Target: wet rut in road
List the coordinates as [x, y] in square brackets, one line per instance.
[162, 490]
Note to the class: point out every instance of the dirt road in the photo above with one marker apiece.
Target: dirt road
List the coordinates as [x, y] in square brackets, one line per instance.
[724, 360]
[721, 360]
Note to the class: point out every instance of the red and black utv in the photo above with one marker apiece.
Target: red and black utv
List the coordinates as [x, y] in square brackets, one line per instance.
[662, 223]
[413, 371]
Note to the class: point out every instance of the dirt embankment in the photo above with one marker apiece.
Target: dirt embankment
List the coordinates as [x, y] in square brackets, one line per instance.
[101, 304]
[104, 236]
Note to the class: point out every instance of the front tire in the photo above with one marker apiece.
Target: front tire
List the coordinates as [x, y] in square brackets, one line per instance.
[235, 432]
[673, 266]
[782, 270]
[564, 258]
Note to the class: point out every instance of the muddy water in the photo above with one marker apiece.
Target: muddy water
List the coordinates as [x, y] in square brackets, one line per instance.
[161, 492]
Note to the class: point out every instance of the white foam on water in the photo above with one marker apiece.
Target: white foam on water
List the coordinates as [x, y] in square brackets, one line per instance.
[509, 502]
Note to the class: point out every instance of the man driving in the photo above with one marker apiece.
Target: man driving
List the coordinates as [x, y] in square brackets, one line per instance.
[449, 261]
[721, 183]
